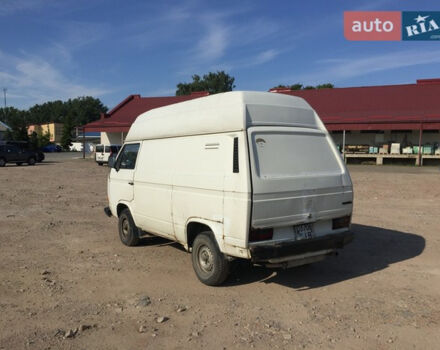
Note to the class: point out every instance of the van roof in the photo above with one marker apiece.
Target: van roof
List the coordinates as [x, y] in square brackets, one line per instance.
[224, 112]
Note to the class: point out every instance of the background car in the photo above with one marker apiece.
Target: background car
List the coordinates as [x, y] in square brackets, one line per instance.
[26, 146]
[13, 154]
[50, 148]
[105, 152]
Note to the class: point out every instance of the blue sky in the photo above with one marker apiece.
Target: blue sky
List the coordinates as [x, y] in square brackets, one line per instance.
[52, 49]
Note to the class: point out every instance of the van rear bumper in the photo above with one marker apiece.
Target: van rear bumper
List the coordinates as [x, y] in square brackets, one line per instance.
[265, 252]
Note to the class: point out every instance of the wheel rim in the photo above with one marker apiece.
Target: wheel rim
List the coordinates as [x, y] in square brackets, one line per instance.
[125, 227]
[205, 259]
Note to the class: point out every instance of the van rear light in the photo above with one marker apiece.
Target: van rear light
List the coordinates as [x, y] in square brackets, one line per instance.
[264, 234]
[342, 222]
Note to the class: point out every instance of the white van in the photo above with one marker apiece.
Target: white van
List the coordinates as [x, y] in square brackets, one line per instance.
[104, 152]
[250, 175]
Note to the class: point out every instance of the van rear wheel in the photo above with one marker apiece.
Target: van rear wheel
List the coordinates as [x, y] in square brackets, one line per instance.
[209, 263]
[128, 232]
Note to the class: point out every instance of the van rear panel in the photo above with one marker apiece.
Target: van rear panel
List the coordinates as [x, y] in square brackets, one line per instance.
[300, 183]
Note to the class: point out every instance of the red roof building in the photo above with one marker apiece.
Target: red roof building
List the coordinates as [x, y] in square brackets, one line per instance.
[388, 107]
[371, 119]
[120, 118]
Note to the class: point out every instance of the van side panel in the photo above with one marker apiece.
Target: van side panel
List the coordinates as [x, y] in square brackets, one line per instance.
[203, 165]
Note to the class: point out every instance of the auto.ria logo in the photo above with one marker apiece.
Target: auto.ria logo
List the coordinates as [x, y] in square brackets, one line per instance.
[421, 26]
[391, 25]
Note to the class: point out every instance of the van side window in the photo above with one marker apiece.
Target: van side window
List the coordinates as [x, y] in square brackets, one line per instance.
[127, 158]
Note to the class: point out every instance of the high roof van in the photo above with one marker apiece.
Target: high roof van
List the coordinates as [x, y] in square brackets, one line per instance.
[237, 175]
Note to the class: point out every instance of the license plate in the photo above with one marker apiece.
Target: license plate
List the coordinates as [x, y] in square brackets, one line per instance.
[303, 231]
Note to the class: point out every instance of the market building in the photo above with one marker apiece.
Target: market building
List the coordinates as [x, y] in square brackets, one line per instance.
[381, 123]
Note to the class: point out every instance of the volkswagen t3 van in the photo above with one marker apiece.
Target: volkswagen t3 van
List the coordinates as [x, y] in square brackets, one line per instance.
[237, 175]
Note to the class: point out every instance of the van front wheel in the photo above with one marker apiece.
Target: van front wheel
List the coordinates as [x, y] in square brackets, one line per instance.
[210, 265]
[128, 232]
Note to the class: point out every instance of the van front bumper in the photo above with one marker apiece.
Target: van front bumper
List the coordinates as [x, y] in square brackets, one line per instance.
[265, 252]
[108, 212]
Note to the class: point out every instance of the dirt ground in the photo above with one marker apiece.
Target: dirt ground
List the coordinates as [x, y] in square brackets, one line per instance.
[63, 267]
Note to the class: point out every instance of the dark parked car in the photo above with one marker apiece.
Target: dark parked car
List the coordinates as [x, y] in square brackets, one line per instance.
[13, 154]
[26, 146]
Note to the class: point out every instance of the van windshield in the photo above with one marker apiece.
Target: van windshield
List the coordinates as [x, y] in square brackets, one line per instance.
[280, 154]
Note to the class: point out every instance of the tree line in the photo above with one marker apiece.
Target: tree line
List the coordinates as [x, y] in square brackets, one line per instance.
[299, 86]
[71, 113]
[223, 82]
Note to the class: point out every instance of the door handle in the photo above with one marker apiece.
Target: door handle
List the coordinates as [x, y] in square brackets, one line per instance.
[131, 183]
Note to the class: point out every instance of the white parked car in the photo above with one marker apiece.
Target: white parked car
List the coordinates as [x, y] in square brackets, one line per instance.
[104, 152]
[249, 175]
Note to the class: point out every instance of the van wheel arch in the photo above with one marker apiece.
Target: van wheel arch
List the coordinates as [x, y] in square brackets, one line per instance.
[120, 208]
[193, 229]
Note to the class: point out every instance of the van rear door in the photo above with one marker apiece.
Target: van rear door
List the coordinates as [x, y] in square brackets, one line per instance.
[298, 177]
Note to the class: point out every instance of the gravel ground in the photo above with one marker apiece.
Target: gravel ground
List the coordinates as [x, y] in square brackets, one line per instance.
[66, 281]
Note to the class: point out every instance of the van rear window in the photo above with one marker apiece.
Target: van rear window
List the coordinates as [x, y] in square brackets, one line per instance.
[107, 149]
[99, 149]
[289, 154]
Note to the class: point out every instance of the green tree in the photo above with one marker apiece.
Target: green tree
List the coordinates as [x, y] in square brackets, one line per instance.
[299, 86]
[296, 86]
[44, 139]
[17, 120]
[325, 86]
[83, 109]
[34, 140]
[211, 82]
[66, 137]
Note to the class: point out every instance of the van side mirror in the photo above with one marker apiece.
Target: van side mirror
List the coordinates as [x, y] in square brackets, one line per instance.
[112, 162]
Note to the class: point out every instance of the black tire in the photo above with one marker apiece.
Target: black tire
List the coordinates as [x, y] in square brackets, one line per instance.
[100, 164]
[19, 163]
[209, 263]
[2, 162]
[128, 232]
[31, 161]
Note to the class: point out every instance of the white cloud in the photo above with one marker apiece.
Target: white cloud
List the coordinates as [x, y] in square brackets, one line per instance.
[33, 80]
[213, 44]
[8, 7]
[265, 56]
